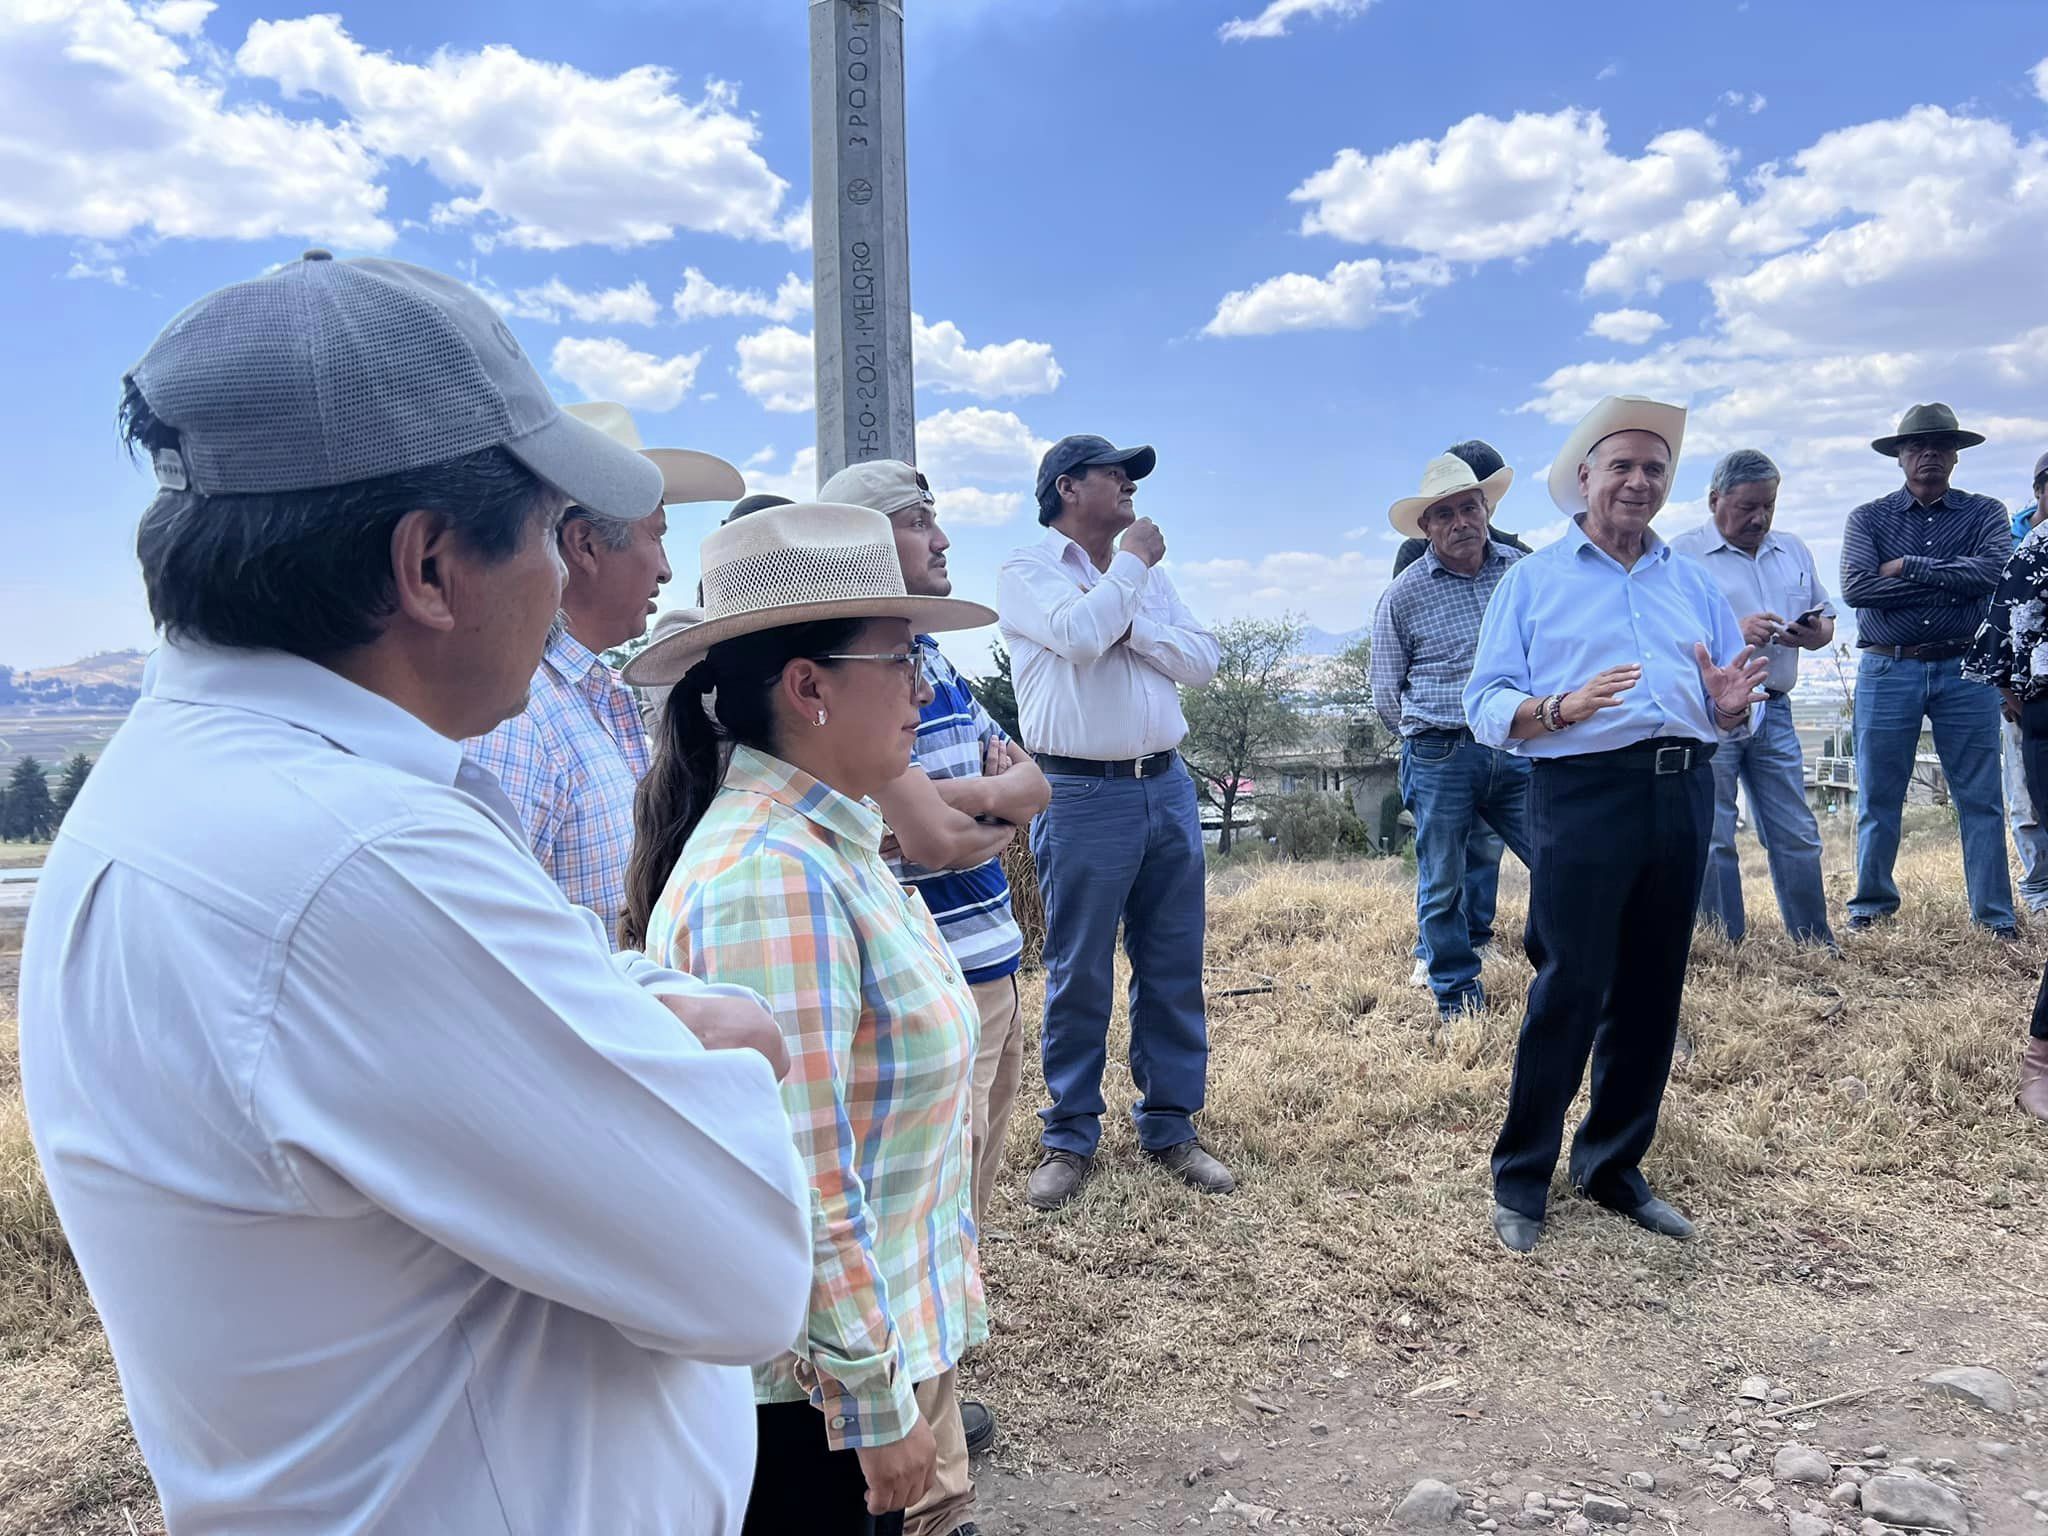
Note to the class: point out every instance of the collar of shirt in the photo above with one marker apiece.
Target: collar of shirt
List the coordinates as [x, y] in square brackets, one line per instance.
[1714, 542]
[310, 696]
[571, 660]
[858, 822]
[1435, 567]
[1904, 500]
[1654, 547]
[1069, 553]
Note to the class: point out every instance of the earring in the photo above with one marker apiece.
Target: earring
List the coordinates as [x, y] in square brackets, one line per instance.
[821, 717]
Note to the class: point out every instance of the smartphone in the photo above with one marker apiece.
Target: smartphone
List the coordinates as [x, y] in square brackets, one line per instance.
[1808, 617]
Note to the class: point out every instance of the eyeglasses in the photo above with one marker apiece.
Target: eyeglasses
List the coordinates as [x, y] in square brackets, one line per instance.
[907, 661]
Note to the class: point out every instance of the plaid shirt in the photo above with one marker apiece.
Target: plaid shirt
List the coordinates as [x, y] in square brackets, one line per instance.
[1423, 640]
[570, 763]
[782, 888]
[971, 906]
[1953, 553]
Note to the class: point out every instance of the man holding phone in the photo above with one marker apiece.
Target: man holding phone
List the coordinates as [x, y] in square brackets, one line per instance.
[1770, 580]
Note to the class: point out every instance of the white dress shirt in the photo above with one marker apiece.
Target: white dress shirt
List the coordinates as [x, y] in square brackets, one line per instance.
[406, 1209]
[1779, 578]
[1083, 689]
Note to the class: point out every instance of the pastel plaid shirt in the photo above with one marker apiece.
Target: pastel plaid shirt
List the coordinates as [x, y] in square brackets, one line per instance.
[570, 763]
[782, 888]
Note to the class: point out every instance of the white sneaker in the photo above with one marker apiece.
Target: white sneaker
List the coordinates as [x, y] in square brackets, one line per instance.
[1419, 977]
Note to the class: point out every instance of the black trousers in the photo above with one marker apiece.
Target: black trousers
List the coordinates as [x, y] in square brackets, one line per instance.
[1620, 850]
[802, 1487]
[2034, 761]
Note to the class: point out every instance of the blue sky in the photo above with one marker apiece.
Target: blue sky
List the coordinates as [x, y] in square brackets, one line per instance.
[1300, 254]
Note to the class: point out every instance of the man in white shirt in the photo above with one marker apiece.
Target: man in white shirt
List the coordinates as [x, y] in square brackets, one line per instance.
[1769, 580]
[1100, 644]
[407, 1208]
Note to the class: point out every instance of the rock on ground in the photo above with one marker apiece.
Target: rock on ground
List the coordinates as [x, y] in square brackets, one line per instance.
[1899, 1498]
[1602, 1510]
[1811, 1525]
[1801, 1464]
[1976, 1384]
[1429, 1502]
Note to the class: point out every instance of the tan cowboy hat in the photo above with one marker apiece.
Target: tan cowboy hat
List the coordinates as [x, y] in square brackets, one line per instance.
[1617, 413]
[1935, 420]
[686, 474]
[1447, 475]
[796, 565]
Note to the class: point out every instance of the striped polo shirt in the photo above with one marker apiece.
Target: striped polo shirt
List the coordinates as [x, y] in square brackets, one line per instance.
[971, 906]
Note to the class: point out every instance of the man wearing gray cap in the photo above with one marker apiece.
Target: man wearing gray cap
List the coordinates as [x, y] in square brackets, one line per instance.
[968, 789]
[406, 1205]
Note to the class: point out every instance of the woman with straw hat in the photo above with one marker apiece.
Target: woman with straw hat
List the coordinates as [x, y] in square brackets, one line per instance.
[757, 861]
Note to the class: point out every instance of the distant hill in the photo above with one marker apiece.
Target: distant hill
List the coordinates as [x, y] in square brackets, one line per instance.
[112, 680]
[119, 667]
[1320, 642]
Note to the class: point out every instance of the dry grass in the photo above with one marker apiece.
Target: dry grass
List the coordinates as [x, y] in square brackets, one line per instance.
[1358, 1239]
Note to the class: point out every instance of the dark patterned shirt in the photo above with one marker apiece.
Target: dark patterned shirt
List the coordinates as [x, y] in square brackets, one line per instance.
[2011, 648]
[1953, 550]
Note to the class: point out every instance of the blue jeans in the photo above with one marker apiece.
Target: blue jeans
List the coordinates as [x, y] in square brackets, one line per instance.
[1892, 697]
[1769, 764]
[2027, 833]
[1482, 887]
[1129, 851]
[1451, 784]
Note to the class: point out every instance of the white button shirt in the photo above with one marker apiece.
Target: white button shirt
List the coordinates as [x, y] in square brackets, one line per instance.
[1779, 578]
[1083, 690]
[406, 1210]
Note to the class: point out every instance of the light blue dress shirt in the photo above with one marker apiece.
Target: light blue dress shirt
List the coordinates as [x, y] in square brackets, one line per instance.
[1571, 610]
[1779, 578]
[409, 1210]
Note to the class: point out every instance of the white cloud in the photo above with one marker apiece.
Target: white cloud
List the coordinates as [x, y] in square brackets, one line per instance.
[554, 299]
[1353, 295]
[799, 482]
[700, 299]
[179, 18]
[1609, 70]
[946, 363]
[1630, 327]
[1491, 188]
[1336, 592]
[966, 507]
[1752, 103]
[543, 155]
[111, 131]
[1275, 19]
[972, 444]
[605, 368]
[778, 367]
[2041, 79]
[95, 262]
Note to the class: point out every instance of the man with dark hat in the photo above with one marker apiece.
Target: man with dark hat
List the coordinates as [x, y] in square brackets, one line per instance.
[1101, 645]
[1920, 565]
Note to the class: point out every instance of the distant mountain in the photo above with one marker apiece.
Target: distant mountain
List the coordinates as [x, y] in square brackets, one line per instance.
[112, 680]
[119, 667]
[1320, 642]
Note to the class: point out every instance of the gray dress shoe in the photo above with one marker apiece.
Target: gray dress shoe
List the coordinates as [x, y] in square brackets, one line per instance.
[1518, 1233]
[1192, 1162]
[1057, 1178]
[1657, 1216]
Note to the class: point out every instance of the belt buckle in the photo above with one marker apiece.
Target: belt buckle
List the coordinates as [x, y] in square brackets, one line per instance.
[1137, 767]
[1673, 760]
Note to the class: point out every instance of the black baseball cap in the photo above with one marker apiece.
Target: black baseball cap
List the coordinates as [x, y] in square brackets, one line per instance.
[760, 502]
[1085, 451]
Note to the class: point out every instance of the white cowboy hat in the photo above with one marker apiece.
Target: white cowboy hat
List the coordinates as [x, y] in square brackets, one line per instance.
[1447, 475]
[1617, 413]
[686, 474]
[796, 565]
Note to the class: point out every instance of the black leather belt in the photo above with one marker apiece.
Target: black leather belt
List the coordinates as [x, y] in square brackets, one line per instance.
[1775, 694]
[1443, 733]
[1933, 650]
[1124, 768]
[1660, 755]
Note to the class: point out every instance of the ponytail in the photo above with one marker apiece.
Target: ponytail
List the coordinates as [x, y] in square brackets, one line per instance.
[726, 698]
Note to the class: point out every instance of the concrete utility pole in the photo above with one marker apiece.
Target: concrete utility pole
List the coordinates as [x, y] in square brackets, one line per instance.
[860, 221]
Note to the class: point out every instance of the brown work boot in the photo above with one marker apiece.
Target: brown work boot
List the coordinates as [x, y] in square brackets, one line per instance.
[2033, 1094]
[1057, 1178]
[1192, 1162]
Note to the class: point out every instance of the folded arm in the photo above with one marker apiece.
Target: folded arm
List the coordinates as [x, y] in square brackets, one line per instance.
[1172, 641]
[938, 829]
[1046, 604]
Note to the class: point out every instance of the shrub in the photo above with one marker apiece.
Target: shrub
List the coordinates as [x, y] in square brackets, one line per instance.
[1306, 825]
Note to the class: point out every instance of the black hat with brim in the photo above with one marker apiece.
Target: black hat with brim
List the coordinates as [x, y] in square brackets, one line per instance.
[1085, 451]
[1933, 420]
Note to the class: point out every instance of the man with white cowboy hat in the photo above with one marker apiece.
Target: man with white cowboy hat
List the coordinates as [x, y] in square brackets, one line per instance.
[570, 761]
[1423, 638]
[1615, 667]
[1920, 566]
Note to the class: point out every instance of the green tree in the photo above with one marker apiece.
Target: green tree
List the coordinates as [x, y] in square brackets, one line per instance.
[1246, 712]
[998, 695]
[1346, 689]
[75, 774]
[28, 815]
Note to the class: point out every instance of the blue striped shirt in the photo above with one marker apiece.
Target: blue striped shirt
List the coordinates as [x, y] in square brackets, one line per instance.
[971, 906]
[1953, 553]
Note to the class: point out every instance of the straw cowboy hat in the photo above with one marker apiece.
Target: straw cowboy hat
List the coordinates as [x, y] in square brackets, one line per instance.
[1617, 413]
[797, 565]
[1447, 475]
[1935, 420]
[686, 475]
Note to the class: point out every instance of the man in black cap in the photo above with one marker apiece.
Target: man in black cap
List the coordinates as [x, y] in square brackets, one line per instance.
[1101, 645]
[1920, 565]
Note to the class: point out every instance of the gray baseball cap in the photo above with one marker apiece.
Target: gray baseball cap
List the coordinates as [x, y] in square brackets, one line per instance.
[887, 485]
[327, 372]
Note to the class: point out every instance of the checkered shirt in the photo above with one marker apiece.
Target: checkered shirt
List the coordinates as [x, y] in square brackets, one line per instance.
[570, 763]
[782, 888]
[1424, 637]
[971, 906]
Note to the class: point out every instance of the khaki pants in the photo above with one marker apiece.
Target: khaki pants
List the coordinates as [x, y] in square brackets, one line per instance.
[998, 1070]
